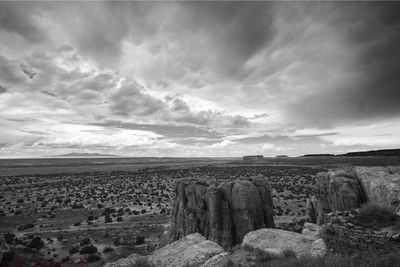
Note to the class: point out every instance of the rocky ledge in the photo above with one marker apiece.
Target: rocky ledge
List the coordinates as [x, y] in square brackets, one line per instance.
[195, 251]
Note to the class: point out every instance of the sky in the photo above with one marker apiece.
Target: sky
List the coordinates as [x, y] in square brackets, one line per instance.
[198, 78]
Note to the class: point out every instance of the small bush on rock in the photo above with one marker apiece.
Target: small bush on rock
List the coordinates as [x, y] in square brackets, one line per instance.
[375, 217]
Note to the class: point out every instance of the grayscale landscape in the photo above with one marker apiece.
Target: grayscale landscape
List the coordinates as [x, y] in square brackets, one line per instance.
[199, 134]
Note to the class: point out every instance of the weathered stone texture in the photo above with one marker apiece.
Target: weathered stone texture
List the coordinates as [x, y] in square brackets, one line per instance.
[223, 213]
[192, 250]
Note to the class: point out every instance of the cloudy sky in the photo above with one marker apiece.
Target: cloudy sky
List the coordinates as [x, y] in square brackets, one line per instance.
[198, 78]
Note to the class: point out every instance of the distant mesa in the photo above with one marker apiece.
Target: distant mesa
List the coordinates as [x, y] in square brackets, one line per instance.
[253, 158]
[282, 156]
[371, 153]
[83, 155]
[382, 152]
[319, 155]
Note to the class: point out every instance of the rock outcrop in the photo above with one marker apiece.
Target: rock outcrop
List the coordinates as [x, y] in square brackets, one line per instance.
[192, 250]
[223, 213]
[338, 190]
[275, 241]
[348, 189]
[381, 185]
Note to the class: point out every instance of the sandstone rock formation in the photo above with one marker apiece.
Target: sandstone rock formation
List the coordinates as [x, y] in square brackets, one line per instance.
[381, 185]
[312, 209]
[192, 250]
[338, 190]
[341, 190]
[126, 262]
[275, 241]
[312, 229]
[223, 213]
[318, 248]
[218, 260]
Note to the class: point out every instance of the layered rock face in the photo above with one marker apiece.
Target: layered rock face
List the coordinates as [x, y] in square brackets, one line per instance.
[223, 213]
[381, 185]
[342, 190]
[338, 190]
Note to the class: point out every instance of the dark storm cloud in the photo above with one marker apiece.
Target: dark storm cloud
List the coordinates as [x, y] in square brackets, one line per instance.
[231, 32]
[130, 99]
[10, 72]
[18, 18]
[237, 29]
[372, 88]
[3, 89]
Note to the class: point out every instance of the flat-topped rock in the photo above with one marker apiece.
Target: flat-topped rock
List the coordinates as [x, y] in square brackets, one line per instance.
[223, 212]
[275, 241]
[192, 250]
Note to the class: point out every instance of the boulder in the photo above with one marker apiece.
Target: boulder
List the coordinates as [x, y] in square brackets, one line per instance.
[126, 262]
[192, 250]
[312, 229]
[218, 260]
[318, 248]
[223, 212]
[275, 241]
[338, 190]
[382, 185]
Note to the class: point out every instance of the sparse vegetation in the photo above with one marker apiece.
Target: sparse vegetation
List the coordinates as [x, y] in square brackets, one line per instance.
[142, 262]
[376, 217]
[363, 259]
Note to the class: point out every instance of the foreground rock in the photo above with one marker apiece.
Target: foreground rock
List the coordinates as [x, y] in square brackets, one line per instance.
[318, 248]
[192, 250]
[276, 241]
[312, 230]
[126, 262]
[222, 213]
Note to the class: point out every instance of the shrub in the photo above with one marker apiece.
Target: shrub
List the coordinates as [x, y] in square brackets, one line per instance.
[370, 259]
[73, 250]
[25, 226]
[108, 219]
[374, 216]
[9, 238]
[36, 242]
[93, 258]
[142, 262]
[8, 257]
[107, 249]
[88, 249]
[85, 241]
[139, 240]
